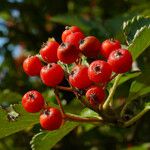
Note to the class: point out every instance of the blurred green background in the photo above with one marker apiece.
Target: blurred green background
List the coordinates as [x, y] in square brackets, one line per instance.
[26, 24]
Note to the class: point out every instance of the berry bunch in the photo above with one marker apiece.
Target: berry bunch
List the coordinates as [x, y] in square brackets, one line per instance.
[90, 78]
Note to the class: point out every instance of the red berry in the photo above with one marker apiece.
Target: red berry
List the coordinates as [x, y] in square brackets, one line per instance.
[68, 31]
[74, 38]
[52, 74]
[120, 60]
[79, 77]
[49, 52]
[90, 46]
[33, 101]
[95, 95]
[51, 118]
[67, 53]
[99, 71]
[108, 46]
[32, 66]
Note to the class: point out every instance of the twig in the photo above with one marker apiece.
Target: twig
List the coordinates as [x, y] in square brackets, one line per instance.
[59, 102]
[73, 117]
[76, 118]
[137, 117]
[69, 89]
[83, 101]
[113, 77]
[112, 92]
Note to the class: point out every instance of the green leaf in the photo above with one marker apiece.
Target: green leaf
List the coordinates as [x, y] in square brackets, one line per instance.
[96, 26]
[23, 121]
[72, 20]
[89, 113]
[144, 146]
[141, 42]
[130, 27]
[46, 140]
[141, 86]
[128, 76]
[7, 96]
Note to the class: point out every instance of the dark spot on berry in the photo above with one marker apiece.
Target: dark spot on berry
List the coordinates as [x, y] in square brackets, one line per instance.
[97, 69]
[118, 54]
[73, 72]
[46, 112]
[63, 45]
[49, 66]
[81, 41]
[31, 96]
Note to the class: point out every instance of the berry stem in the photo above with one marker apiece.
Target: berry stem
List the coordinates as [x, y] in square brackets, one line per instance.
[73, 117]
[126, 40]
[112, 92]
[41, 59]
[85, 103]
[69, 89]
[77, 118]
[59, 102]
[113, 77]
[137, 117]
[51, 39]
[123, 109]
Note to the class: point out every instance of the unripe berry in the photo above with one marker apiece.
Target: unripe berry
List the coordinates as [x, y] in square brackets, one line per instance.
[120, 60]
[95, 95]
[52, 74]
[108, 46]
[99, 71]
[51, 118]
[75, 38]
[79, 77]
[68, 31]
[49, 51]
[67, 53]
[33, 101]
[90, 46]
[32, 66]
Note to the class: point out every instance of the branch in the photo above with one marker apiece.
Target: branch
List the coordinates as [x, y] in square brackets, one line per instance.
[73, 117]
[76, 118]
[69, 89]
[85, 103]
[137, 117]
[112, 92]
[124, 109]
[59, 102]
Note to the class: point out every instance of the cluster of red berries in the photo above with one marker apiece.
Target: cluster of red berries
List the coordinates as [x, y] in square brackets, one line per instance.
[92, 78]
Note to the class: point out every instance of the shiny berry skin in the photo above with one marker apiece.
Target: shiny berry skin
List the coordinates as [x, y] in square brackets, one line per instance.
[51, 119]
[79, 77]
[52, 74]
[108, 46]
[32, 66]
[49, 52]
[33, 101]
[95, 95]
[67, 53]
[68, 31]
[74, 38]
[99, 71]
[120, 60]
[90, 46]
